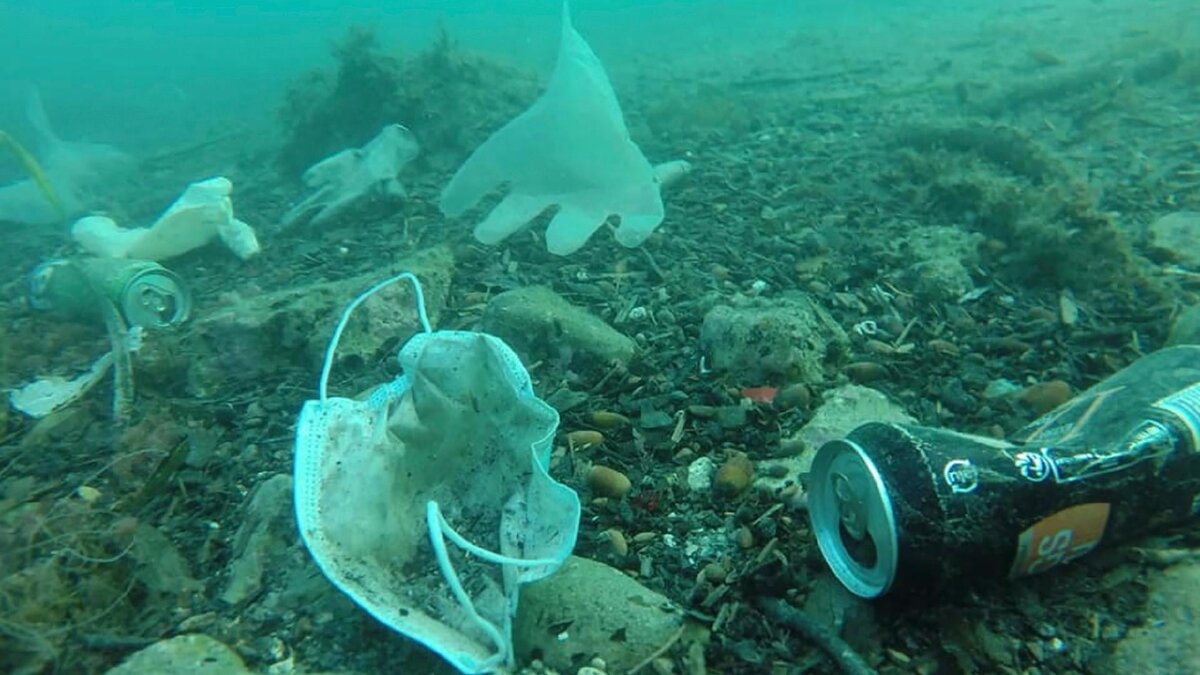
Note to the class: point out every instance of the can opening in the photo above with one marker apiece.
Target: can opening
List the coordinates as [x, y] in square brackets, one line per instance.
[852, 519]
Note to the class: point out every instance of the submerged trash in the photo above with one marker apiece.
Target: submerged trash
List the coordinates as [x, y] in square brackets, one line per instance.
[457, 449]
[342, 180]
[145, 293]
[895, 506]
[203, 212]
[48, 394]
[63, 174]
[571, 149]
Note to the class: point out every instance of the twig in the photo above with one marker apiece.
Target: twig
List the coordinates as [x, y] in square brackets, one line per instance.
[843, 655]
[660, 651]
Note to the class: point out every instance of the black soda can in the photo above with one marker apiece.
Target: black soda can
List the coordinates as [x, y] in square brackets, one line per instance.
[897, 506]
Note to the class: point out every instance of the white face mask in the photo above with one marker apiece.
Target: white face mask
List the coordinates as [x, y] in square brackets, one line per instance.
[429, 503]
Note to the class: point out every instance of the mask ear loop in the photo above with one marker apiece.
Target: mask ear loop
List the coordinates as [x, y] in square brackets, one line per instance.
[323, 385]
[439, 528]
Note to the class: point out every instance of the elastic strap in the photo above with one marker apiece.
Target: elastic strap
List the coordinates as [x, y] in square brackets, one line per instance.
[323, 385]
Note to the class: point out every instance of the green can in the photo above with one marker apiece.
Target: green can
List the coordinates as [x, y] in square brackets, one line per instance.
[145, 293]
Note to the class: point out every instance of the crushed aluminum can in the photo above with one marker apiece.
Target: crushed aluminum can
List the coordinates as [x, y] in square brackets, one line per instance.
[898, 507]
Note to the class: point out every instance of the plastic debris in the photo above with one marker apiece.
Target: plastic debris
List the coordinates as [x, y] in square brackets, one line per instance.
[63, 174]
[430, 503]
[350, 176]
[571, 149]
[204, 212]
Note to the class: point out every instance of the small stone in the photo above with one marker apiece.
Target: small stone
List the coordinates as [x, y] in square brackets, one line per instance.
[714, 573]
[585, 438]
[607, 482]
[700, 474]
[1045, 396]
[744, 538]
[88, 493]
[863, 372]
[734, 476]
[606, 419]
[617, 541]
[793, 396]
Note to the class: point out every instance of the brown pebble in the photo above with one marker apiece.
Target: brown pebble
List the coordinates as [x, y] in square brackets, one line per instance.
[734, 475]
[879, 347]
[584, 438]
[943, 347]
[715, 572]
[744, 537]
[1045, 396]
[793, 396]
[617, 541]
[607, 482]
[866, 371]
[606, 419]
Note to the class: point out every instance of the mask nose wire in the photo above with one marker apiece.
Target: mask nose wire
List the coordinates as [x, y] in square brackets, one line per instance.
[422, 316]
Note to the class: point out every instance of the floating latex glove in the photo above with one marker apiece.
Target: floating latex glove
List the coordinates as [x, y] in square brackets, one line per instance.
[429, 503]
[339, 181]
[204, 212]
[570, 149]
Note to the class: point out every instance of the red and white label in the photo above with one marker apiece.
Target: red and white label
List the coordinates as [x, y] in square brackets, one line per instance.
[1060, 538]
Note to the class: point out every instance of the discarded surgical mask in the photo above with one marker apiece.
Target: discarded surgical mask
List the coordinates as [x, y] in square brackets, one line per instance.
[429, 502]
[350, 176]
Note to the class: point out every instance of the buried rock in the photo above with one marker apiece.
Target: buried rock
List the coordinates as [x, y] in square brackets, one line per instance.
[587, 610]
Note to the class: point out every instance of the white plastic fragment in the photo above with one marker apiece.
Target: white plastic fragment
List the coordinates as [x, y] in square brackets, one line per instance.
[342, 180]
[202, 213]
[42, 397]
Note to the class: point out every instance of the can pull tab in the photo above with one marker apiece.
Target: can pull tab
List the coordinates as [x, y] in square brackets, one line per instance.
[852, 510]
[155, 301]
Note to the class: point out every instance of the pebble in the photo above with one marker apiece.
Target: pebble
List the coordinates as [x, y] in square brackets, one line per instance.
[606, 419]
[608, 482]
[863, 372]
[700, 474]
[617, 541]
[585, 438]
[793, 396]
[744, 538]
[734, 475]
[1045, 396]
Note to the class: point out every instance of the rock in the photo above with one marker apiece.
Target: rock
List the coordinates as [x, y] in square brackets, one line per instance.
[1186, 329]
[1166, 642]
[844, 409]
[265, 536]
[161, 568]
[183, 655]
[540, 324]
[787, 339]
[1177, 237]
[941, 259]
[291, 328]
[588, 609]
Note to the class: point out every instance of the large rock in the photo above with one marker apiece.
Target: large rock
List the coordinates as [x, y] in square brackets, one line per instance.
[263, 540]
[588, 609]
[1166, 643]
[1186, 328]
[290, 328]
[782, 340]
[183, 655]
[541, 325]
[1177, 237]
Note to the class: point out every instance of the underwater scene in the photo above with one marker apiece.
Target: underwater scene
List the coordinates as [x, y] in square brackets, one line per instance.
[671, 337]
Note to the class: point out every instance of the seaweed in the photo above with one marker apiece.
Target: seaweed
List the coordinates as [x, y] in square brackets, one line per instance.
[449, 98]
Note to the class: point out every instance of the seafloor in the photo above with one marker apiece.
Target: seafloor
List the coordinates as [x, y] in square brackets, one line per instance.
[987, 205]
